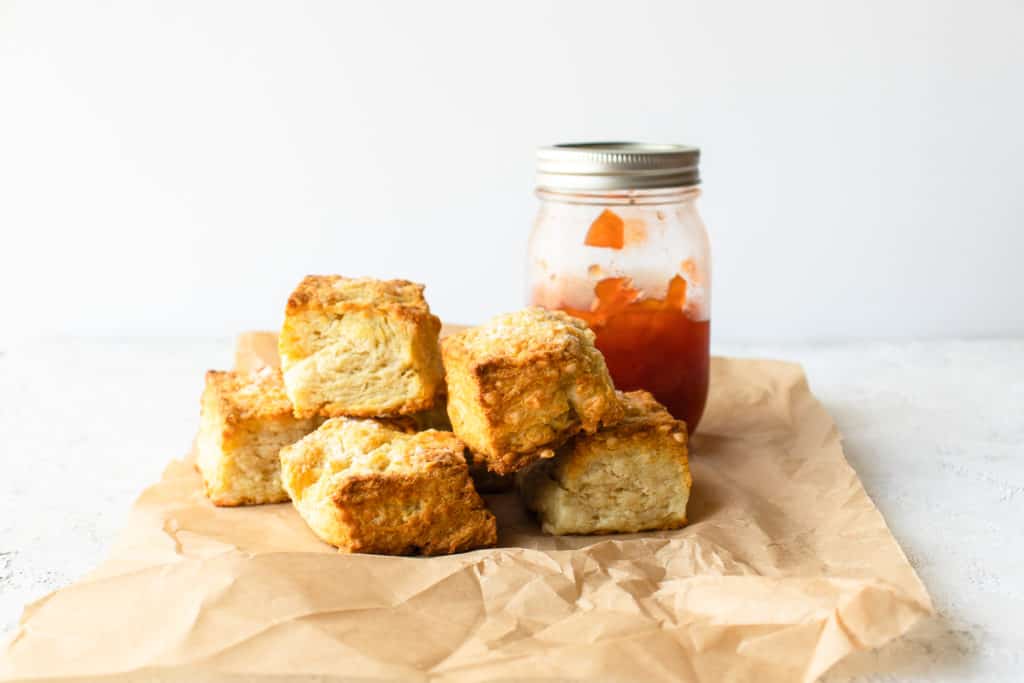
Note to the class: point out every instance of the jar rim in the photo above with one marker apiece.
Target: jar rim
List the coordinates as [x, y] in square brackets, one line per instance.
[604, 166]
[646, 196]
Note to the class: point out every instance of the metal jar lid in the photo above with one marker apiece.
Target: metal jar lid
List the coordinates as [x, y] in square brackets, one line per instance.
[601, 166]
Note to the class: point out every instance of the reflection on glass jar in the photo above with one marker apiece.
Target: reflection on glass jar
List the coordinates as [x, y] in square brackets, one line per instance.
[618, 242]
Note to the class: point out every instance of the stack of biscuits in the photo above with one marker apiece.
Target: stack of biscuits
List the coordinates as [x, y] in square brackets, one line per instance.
[383, 435]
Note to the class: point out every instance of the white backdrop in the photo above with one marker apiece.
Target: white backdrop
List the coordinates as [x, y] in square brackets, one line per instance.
[175, 167]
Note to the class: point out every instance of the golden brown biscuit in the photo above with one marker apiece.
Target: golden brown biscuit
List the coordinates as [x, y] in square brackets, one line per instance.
[523, 384]
[360, 347]
[245, 420]
[364, 486]
[632, 476]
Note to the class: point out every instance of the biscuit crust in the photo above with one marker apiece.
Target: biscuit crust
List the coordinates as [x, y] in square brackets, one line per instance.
[525, 382]
[632, 476]
[245, 419]
[364, 486]
[360, 347]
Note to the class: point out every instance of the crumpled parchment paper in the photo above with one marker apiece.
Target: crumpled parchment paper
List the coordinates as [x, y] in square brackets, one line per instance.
[786, 567]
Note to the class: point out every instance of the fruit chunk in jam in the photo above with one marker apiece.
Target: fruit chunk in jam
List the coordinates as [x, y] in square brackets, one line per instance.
[607, 230]
[610, 231]
[652, 344]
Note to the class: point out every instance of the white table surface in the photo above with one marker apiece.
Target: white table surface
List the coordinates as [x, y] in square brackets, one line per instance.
[935, 430]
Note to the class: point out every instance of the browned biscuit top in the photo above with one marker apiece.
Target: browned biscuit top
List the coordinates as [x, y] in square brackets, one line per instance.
[245, 396]
[641, 413]
[374, 446]
[521, 334]
[328, 292]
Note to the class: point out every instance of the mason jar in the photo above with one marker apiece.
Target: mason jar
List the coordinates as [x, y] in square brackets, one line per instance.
[619, 242]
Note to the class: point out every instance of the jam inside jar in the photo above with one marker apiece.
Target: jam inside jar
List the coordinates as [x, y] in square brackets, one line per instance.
[653, 344]
[633, 263]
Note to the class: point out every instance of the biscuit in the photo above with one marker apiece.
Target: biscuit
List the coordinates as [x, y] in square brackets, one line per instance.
[632, 476]
[360, 348]
[363, 486]
[245, 420]
[524, 383]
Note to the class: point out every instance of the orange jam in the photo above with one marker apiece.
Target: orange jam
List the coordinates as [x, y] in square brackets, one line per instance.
[651, 344]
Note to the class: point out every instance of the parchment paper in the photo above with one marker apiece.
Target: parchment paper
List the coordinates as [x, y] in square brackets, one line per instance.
[785, 568]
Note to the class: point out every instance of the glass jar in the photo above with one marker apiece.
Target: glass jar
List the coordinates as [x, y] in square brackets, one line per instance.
[618, 242]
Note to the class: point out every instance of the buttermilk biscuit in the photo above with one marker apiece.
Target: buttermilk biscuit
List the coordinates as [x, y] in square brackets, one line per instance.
[363, 486]
[360, 347]
[524, 383]
[245, 420]
[632, 476]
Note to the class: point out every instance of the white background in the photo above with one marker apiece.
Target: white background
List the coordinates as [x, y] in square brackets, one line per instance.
[176, 167]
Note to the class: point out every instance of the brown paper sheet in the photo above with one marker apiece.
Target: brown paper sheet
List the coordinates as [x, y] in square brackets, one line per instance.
[785, 568]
